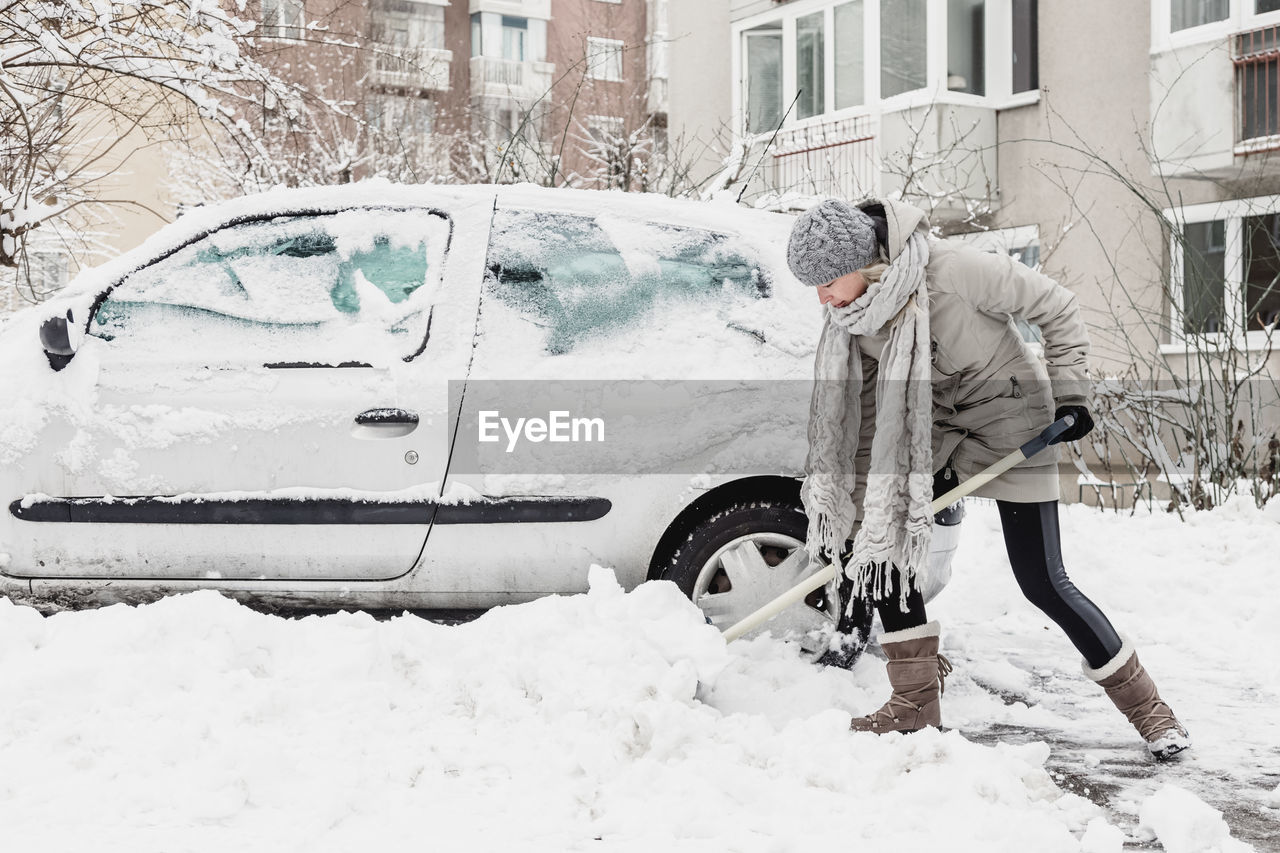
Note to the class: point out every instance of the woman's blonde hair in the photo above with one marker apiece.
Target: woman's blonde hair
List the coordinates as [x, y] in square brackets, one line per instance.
[873, 272]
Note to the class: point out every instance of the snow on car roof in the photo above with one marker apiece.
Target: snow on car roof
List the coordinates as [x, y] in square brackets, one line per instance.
[279, 202]
[768, 227]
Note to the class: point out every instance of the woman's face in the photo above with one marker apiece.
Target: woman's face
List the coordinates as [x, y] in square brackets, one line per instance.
[843, 290]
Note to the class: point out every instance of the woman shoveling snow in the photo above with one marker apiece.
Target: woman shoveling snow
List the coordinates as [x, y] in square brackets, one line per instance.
[922, 380]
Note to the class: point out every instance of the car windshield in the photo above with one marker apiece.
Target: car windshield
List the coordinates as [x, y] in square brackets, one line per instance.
[305, 287]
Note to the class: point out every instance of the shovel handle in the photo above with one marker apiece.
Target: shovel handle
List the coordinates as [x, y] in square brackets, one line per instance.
[797, 593]
[1051, 434]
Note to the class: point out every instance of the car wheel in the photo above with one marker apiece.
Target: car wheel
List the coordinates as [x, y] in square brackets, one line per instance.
[744, 556]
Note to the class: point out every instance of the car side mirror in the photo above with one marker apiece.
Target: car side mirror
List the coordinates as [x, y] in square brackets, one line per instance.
[55, 337]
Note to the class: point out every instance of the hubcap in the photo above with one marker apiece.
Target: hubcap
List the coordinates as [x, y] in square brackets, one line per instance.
[753, 570]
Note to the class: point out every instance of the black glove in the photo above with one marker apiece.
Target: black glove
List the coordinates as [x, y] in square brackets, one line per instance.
[1082, 427]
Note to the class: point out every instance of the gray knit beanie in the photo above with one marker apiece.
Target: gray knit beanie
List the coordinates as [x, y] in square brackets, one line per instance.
[829, 240]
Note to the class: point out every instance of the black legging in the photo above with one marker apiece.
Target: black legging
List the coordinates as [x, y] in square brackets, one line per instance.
[1035, 553]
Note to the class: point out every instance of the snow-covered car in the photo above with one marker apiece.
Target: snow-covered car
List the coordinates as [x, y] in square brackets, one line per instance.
[304, 399]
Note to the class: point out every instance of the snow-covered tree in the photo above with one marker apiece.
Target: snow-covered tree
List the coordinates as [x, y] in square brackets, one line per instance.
[83, 81]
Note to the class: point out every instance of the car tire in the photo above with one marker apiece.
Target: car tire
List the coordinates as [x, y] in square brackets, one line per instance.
[745, 555]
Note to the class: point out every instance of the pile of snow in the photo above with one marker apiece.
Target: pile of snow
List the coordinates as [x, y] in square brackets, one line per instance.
[621, 721]
[1185, 824]
[197, 724]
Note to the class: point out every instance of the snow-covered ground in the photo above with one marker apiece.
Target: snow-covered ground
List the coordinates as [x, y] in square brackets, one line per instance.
[620, 721]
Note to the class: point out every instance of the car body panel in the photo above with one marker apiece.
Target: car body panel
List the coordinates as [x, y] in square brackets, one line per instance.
[487, 537]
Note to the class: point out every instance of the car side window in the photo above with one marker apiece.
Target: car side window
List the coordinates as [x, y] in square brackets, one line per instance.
[337, 288]
[580, 276]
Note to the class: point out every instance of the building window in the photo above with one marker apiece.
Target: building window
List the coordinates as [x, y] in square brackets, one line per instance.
[903, 47]
[282, 19]
[1257, 63]
[847, 47]
[46, 270]
[1026, 48]
[1185, 14]
[515, 37]
[810, 65]
[1266, 6]
[1226, 271]
[403, 31]
[1203, 276]
[401, 116]
[816, 58]
[604, 59]
[1261, 272]
[966, 46]
[762, 51]
[420, 114]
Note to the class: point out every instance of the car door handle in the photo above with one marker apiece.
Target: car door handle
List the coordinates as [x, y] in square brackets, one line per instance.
[386, 417]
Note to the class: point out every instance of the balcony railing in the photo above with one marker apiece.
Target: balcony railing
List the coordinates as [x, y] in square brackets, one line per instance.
[495, 77]
[412, 68]
[837, 158]
[504, 72]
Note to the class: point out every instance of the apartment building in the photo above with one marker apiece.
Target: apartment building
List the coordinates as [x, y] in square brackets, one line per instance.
[528, 89]
[572, 80]
[559, 91]
[1121, 144]
[1128, 149]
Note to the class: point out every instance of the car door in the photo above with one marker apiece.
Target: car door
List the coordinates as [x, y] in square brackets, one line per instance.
[254, 408]
[613, 319]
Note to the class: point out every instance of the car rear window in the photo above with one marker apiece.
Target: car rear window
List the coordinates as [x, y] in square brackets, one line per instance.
[580, 276]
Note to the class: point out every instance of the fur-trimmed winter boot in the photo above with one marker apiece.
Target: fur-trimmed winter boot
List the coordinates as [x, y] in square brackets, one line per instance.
[916, 672]
[1131, 689]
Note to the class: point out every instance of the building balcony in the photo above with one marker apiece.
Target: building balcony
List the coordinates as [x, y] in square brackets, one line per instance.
[417, 69]
[940, 156]
[518, 8]
[1213, 107]
[829, 158]
[492, 77]
[656, 99]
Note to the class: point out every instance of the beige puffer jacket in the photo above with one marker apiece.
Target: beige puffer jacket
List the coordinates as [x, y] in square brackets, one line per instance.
[991, 393]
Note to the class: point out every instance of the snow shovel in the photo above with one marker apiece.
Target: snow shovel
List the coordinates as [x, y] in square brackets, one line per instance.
[1049, 435]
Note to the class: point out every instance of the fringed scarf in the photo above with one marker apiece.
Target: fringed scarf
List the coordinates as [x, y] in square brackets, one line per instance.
[896, 521]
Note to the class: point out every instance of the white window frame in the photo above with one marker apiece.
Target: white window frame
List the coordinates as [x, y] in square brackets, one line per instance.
[1233, 213]
[287, 27]
[741, 97]
[789, 66]
[601, 54]
[1241, 17]
[999, 73]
